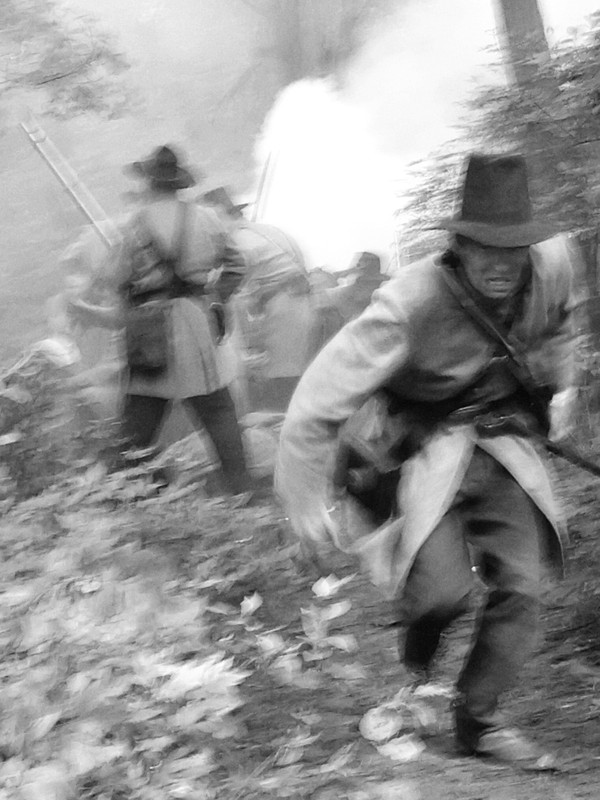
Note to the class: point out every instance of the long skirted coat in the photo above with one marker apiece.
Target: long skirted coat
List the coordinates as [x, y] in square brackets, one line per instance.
[195, 365]
[416, 336]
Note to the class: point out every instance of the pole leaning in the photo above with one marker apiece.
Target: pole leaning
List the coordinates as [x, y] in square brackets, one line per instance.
[67, 176]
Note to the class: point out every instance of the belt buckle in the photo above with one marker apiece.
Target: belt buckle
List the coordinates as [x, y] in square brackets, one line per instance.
[492, 424]
[465, 413]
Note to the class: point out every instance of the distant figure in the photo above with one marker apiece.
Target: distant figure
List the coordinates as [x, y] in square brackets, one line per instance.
[273, 310]
[342, 297]
[171, 249]
[328, 319]
[364, 276]
[99, 370]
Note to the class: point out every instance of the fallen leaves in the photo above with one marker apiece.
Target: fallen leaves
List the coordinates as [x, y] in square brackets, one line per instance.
[381, 723]
[47, 782]
[412, 712]
[128, 671]
[250, 604]
[405, 748]
[329, 586]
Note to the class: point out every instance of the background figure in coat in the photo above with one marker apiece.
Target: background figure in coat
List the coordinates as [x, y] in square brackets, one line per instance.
[363, 277]
[193, 373]
[468, 486]
[328, 319]
[100, 368]
[273, 312]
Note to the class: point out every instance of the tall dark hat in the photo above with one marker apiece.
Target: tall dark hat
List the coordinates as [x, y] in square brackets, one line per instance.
[496, 208]
[163, 169]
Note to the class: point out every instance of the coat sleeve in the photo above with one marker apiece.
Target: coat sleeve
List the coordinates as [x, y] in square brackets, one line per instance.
[353, 365]
[553, 361]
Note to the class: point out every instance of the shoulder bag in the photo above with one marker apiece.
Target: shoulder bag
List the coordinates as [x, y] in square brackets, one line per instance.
[147, 314]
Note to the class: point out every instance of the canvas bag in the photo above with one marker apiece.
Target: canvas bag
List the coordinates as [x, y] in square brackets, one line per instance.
[372, 446]
[147, 315]
[147, 336]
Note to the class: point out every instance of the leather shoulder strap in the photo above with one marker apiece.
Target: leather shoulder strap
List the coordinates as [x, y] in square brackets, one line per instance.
[182, 216]
[180, 226]
[517, 365]
[476, 313]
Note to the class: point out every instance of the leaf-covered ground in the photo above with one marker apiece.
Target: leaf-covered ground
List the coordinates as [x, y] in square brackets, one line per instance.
[172, 648]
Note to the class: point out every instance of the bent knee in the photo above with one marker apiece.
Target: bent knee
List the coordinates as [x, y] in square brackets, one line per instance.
[443, 607]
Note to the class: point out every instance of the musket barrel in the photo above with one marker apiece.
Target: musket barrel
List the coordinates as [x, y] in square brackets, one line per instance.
[78, 192]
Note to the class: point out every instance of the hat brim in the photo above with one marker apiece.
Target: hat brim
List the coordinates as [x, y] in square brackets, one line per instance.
[182, 179]
[522, 235]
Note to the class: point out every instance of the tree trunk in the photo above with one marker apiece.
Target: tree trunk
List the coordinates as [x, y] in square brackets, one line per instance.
[289, 49]
[521, 28]
[524, 36]
[314, 38]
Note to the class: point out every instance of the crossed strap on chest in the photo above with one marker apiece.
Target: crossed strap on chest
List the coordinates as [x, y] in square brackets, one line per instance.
[535, 396]
[169, 284]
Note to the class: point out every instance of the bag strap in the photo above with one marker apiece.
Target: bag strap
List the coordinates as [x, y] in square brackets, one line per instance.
[173, 259]
[182, 229]
[517, 365]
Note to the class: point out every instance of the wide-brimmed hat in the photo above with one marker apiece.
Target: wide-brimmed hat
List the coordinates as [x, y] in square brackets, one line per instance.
[496, 207]
[219, 196]
[163, 169]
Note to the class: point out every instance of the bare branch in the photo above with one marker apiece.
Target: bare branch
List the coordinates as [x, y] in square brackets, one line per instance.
[74, 71]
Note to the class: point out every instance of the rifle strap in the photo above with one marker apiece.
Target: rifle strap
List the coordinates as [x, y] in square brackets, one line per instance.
[518, 367]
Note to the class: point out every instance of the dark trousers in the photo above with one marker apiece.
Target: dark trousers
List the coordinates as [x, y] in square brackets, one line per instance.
[143, 416]
[507, 536]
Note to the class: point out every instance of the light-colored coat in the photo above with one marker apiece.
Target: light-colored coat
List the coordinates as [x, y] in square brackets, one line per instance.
[416, 337]
[194, 366]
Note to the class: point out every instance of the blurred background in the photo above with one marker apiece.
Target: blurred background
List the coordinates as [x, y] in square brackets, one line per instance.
[345, 122]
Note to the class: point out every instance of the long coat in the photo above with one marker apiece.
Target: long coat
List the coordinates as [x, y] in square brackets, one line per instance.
[416, 336]
[195, 365]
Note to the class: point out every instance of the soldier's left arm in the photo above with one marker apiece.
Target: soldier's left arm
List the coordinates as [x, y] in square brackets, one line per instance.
[350, 368]
[562, 266]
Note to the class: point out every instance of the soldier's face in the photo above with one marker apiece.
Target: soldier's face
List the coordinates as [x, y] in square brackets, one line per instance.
[495, 272]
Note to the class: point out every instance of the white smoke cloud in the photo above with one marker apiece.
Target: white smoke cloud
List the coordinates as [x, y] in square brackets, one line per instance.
[324, 181]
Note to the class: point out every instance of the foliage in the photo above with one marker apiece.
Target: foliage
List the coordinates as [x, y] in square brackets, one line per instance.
[553, 119]
[68, 58]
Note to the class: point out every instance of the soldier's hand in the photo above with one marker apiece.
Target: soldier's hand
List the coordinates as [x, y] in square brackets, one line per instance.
[316, 534]
[314, 525]
[562, 414]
